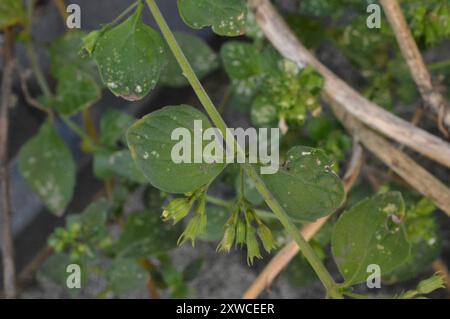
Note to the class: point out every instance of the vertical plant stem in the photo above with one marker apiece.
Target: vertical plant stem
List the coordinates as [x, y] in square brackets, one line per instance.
[32, 57]
[215, 116]
[7, 235]
[61, 6]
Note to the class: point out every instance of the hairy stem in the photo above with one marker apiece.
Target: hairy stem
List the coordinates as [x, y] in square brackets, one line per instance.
[217, 119]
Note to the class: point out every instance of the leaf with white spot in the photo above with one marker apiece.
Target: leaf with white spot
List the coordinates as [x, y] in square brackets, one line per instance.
[226, 17]
[371, 232]
[125, 275]
[145, 234]
[117, 164]
[77, 82]
[305, 185]
[241, 60]
[130, 58]
[113, 126]
[47, 166]
[150, 141]
[76, 90]
[201, 57]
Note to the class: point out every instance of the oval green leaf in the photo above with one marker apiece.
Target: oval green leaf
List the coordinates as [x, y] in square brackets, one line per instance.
[130, 58]
[150, 142]
[47, 166]
[371, 232]
[305, 185]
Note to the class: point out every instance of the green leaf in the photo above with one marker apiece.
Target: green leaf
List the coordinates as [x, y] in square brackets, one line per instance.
[217, 217]
[305, 185]
[151, 145]
[130, 58]
[426, 243]
[226, 18]
[47, 166]
[240, 60]
[12, 12]
[113, 126]
[54, 269]
[77, 87]
[202, 58]
[145, 234]
[64, 52]
[371, 232]
[125, 276]
[117, 164]
[76, 90]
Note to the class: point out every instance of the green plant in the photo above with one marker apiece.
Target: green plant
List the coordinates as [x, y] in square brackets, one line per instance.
[128, 154]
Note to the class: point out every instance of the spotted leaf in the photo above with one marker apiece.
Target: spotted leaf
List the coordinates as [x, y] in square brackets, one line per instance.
[226, 17]
[48, 168]
[371, 232]
[130, 58]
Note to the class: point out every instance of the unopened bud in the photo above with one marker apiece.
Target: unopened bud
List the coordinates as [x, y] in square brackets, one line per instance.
[177, 210]
[265, 234]
[240, 232]
[228, 237]
[195, 227]
[252, 245]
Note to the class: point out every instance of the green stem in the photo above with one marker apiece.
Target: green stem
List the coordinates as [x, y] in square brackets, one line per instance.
[264, 214]
[32, 57]
[215, 116]
[439, 65]
[79, 131]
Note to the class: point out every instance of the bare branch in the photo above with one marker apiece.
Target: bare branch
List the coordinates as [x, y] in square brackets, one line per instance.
[413, 174]
[433, 99]
[7, 236]
[346, 97]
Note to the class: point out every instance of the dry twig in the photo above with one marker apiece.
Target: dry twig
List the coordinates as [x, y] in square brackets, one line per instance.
[283, 39]
[433, 99]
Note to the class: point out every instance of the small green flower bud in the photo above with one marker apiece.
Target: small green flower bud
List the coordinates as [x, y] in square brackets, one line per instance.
[195, 227]
[429, 285]
[265, 234]
[240, 232]
[177, 210]
[252, 245]
[228, 238]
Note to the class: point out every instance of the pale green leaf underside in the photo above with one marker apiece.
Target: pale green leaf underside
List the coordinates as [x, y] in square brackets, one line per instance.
[149, 140]
[47, 166]
[306, 186]
[365, 235]
[226, 17]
